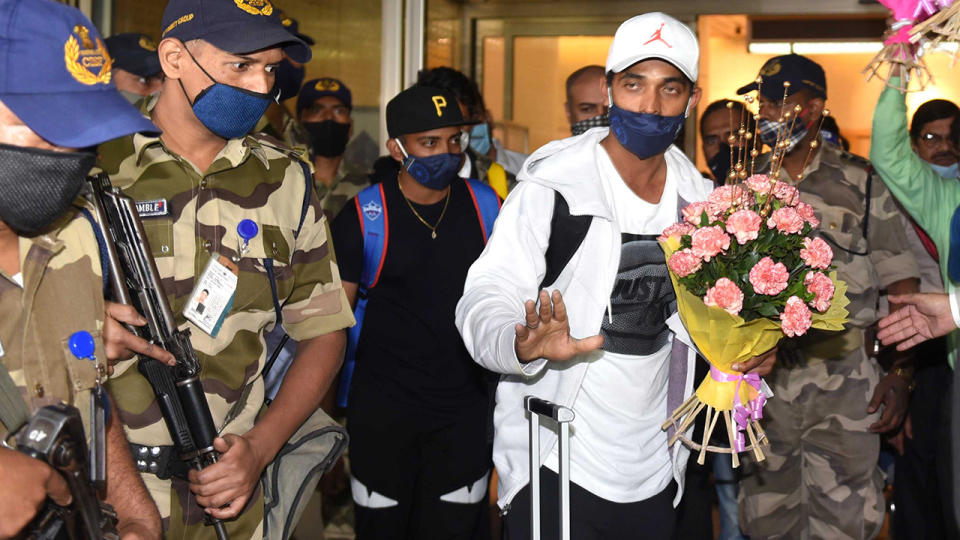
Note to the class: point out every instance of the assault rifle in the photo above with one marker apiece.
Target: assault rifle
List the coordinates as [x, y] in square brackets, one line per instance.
[54, 435]
[134, 280]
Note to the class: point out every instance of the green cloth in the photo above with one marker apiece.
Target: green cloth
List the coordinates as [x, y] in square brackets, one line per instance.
[928, 197]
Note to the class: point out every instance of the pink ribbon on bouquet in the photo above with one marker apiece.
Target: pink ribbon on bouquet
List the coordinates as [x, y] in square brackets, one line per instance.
[742, 414]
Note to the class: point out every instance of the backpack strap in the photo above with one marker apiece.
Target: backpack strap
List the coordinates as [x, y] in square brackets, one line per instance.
[567, 232]
[13, 410]
[486, 203]
[375, 232]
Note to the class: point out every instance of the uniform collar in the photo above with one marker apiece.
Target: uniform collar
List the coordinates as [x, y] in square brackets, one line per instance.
[235, 151]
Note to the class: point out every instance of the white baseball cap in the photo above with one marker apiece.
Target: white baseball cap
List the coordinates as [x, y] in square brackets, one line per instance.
[655, 35]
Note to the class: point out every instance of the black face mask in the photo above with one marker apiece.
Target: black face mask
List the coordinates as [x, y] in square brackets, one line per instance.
[37, 186]
[328, 138]
[720, 164]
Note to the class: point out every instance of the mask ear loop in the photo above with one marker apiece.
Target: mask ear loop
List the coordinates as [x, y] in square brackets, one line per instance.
[403, 150]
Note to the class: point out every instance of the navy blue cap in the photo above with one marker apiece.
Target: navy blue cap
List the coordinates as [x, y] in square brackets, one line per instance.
[136, 53]
[55, 76]
[235, 26]
[324, 86]
[800, 71]
[293, 27]
[422, 108]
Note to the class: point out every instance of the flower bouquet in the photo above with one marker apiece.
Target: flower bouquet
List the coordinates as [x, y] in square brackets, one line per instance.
[746, 271]
[942, 26]
[902, 57]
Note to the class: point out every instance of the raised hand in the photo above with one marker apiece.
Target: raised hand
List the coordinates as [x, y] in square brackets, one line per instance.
[923, 316]
[546, 333]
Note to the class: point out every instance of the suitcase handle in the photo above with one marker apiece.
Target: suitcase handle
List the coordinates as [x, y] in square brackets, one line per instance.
[562, 416]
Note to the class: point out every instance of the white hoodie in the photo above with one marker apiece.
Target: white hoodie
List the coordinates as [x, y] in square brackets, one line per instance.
[509, 272]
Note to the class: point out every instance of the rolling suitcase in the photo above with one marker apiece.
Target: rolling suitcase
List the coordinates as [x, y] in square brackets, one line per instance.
[562, 416]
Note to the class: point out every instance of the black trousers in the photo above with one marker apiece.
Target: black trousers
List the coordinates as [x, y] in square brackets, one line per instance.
[591, 517]
[922, 488]
[413, 459]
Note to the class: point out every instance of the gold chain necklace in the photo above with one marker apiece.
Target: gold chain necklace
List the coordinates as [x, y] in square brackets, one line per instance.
[433, 228]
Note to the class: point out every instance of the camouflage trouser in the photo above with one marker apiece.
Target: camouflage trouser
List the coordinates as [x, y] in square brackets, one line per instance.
[820, 479]
[185, 521]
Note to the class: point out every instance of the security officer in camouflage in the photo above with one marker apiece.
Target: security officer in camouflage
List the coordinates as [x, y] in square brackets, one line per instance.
[821, 479]
[196, 183]
[323, 108]
[50, 275]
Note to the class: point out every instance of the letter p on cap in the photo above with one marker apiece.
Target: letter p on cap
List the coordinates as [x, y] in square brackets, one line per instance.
[439, 102]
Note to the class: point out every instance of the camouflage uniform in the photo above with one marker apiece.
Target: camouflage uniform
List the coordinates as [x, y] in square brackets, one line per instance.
[343, 188]
[820, 479]
[62, 294]
[249, 179]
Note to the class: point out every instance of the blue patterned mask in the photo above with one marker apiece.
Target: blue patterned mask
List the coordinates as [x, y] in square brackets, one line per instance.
[644, 134]
[436, 171]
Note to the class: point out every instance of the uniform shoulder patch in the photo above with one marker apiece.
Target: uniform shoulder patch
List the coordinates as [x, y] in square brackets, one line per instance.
[293, 152]
[855, 159]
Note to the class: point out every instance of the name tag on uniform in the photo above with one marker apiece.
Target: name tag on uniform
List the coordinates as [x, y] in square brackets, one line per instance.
[212, 297]
[156, 207]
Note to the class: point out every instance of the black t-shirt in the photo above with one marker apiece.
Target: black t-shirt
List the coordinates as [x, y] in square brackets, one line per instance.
[409, 350]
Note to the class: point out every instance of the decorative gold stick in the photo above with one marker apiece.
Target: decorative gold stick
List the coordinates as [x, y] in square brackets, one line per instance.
[813, 144]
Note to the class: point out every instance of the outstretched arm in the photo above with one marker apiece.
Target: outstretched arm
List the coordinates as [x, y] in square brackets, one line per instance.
[924, 316]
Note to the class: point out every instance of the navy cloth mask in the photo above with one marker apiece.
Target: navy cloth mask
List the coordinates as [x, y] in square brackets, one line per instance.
[644, 134]
[289, 79]
[480, 139]
[228, 111]
[436, 171]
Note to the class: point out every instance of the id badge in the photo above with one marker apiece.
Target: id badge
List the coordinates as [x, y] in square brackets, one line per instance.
[212, 296]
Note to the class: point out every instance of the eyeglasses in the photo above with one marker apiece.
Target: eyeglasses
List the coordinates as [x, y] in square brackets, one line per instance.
[932, 139]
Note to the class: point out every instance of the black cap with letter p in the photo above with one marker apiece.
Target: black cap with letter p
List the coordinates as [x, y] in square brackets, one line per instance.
[422, 108]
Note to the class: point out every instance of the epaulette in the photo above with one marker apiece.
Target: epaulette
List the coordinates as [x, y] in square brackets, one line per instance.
[855, 159]
[293, 152]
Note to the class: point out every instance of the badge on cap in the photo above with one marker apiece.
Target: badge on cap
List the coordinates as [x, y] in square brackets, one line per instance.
[83, 55]
[255, 7]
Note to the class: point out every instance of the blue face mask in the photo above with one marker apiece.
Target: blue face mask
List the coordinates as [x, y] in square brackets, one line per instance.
[946, 171]
[480, 139]
[227, 111]
[644, 134]
[435, 172]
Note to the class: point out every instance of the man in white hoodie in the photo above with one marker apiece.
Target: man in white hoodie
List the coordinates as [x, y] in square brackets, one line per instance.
[620, 186]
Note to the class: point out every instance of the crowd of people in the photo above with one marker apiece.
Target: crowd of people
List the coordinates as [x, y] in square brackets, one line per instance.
[418, 299]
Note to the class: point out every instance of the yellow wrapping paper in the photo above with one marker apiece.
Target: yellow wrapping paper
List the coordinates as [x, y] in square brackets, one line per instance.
[726, 339]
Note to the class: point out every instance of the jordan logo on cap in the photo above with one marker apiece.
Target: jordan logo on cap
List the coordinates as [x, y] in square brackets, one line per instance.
[656, 36]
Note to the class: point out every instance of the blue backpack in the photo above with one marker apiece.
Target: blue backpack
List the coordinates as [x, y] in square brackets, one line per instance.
[375, 229]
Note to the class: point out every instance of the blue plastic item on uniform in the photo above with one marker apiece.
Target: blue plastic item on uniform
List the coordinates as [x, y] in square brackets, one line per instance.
[82, 345]
[375, 229]
[247, 229]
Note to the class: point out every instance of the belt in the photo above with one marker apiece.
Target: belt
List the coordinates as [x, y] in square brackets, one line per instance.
[162, 461]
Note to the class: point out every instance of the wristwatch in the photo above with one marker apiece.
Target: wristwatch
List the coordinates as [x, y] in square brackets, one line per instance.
[907, 375]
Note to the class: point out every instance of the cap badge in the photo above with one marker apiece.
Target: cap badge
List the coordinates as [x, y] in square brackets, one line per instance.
[440, 103]
[372, 210]
[81, 57]
[770, 69]
[657, 35]
[255, 7]
[327, 85]
[147, 44]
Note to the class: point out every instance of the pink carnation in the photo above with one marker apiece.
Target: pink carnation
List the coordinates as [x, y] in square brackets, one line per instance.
[816, 253]
[723, 198]
[786, 220]
[786, 193]
[795, 319]
[822, 287]
[683, 263]
[760, 184]
[807, 213]
[745, 224]
[709, 241]
[677, 230]
[725, 295]
[693, 212]
[768, 277]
